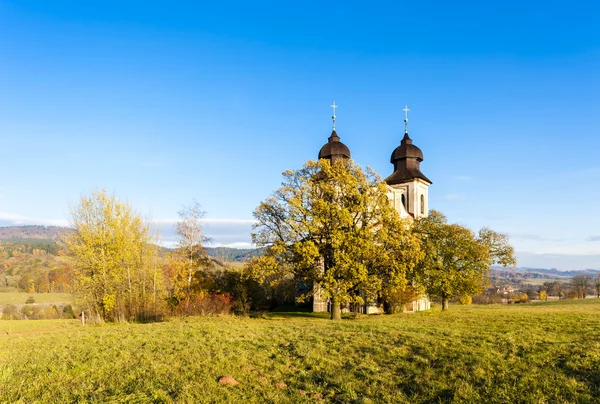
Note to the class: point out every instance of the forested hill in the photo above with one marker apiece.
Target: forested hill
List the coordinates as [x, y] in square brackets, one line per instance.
[31, 232]
[234, 254]
[26, 238]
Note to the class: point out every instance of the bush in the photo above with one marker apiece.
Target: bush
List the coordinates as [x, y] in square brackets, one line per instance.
[10, 312]
[27, 312]
[67, 312]
[488, 298]
[465, 300]
[521, 298]
[205, 305]
[30, 300]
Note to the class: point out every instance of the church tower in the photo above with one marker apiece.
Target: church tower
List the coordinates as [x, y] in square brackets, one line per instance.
[334, 149]
[407, 185]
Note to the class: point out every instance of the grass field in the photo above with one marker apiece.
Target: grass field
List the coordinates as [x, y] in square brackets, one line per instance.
[543, 352]
[21, 298]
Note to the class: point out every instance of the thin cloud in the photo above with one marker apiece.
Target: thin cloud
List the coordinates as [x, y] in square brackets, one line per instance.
[454, 197]
[535, 237]
[594, 238]
[565, 262]
[221, 232]
[12, 219]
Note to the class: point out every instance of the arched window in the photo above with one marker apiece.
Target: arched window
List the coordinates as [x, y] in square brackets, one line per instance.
[422, 204]
[404, 201]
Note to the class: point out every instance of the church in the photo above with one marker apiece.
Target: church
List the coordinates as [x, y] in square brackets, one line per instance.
[407, 190]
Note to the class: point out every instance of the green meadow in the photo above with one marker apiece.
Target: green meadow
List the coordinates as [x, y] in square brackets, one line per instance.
[21, 298]
[542, 352]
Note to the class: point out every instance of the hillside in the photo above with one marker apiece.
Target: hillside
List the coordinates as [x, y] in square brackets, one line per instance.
[234, 254]
[32, 232]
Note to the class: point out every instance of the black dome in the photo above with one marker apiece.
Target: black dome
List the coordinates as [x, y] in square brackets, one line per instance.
[406, 159]
[334, 149]
[406, 150]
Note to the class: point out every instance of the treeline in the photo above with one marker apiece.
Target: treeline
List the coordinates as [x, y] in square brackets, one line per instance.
[32, 232]
[234, 254]
[578, 287]
[120, 274]
[37, 312]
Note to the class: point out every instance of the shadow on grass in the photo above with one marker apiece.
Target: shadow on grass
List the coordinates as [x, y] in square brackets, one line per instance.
[291, 311]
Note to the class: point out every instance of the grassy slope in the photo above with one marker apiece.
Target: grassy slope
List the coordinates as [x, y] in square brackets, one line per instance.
[529, 353]
[21, 298]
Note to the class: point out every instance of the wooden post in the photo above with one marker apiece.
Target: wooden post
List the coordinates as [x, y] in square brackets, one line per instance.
[83, 318]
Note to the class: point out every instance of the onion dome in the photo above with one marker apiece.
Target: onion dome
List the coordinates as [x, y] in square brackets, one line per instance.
[406, 159]
[334, 149]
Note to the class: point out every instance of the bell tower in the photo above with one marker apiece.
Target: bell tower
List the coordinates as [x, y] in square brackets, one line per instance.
[408, 186]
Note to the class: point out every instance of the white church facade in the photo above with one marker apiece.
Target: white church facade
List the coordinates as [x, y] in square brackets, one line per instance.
[408, 192]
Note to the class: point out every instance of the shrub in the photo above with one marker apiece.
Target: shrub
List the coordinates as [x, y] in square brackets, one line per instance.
[30, 300]
[27, 312]
[10, 312]
[205, 305]
[465, 300]
[50, 312]
[521, 298]
[67, 312]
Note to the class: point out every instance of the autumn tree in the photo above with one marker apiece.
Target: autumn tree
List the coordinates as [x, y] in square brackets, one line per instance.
[597, 284]
[187, 263]
[582, 283]
[114, 259]
[191, 237]
[457, 261]
[331, 226]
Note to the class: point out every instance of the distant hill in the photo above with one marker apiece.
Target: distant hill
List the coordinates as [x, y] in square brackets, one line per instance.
[43, 237]
[234, 254]
[14, 233]
[545, 273]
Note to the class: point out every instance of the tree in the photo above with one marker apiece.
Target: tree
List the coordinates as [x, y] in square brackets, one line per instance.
[332, 226]
[190, 241]
[597, 284]
[113, 258]
[555, 288]
[582, 283]
[457, 262]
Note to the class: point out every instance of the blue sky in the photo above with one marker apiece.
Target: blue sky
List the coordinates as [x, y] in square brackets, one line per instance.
[165, 102]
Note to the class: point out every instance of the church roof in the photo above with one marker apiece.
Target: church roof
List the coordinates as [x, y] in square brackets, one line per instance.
[334, 149]
[406, 150]
[406, 159]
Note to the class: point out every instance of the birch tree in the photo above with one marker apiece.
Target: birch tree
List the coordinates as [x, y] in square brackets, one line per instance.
[191, 240]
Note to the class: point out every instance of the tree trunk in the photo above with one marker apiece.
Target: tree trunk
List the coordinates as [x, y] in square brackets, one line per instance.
[445, 303]
[336, 310]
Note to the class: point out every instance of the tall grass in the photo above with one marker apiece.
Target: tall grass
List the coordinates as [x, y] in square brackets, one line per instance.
[545, 352]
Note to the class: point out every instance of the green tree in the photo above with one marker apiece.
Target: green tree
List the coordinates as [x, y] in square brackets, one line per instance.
[457, 261]
[332, 227]
[114, 259]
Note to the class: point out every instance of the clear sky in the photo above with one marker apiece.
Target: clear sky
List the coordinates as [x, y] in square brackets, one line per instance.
[165, 102]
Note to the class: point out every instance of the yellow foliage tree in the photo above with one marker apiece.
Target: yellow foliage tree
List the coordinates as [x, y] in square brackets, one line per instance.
[333, 227]
[115, 262]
